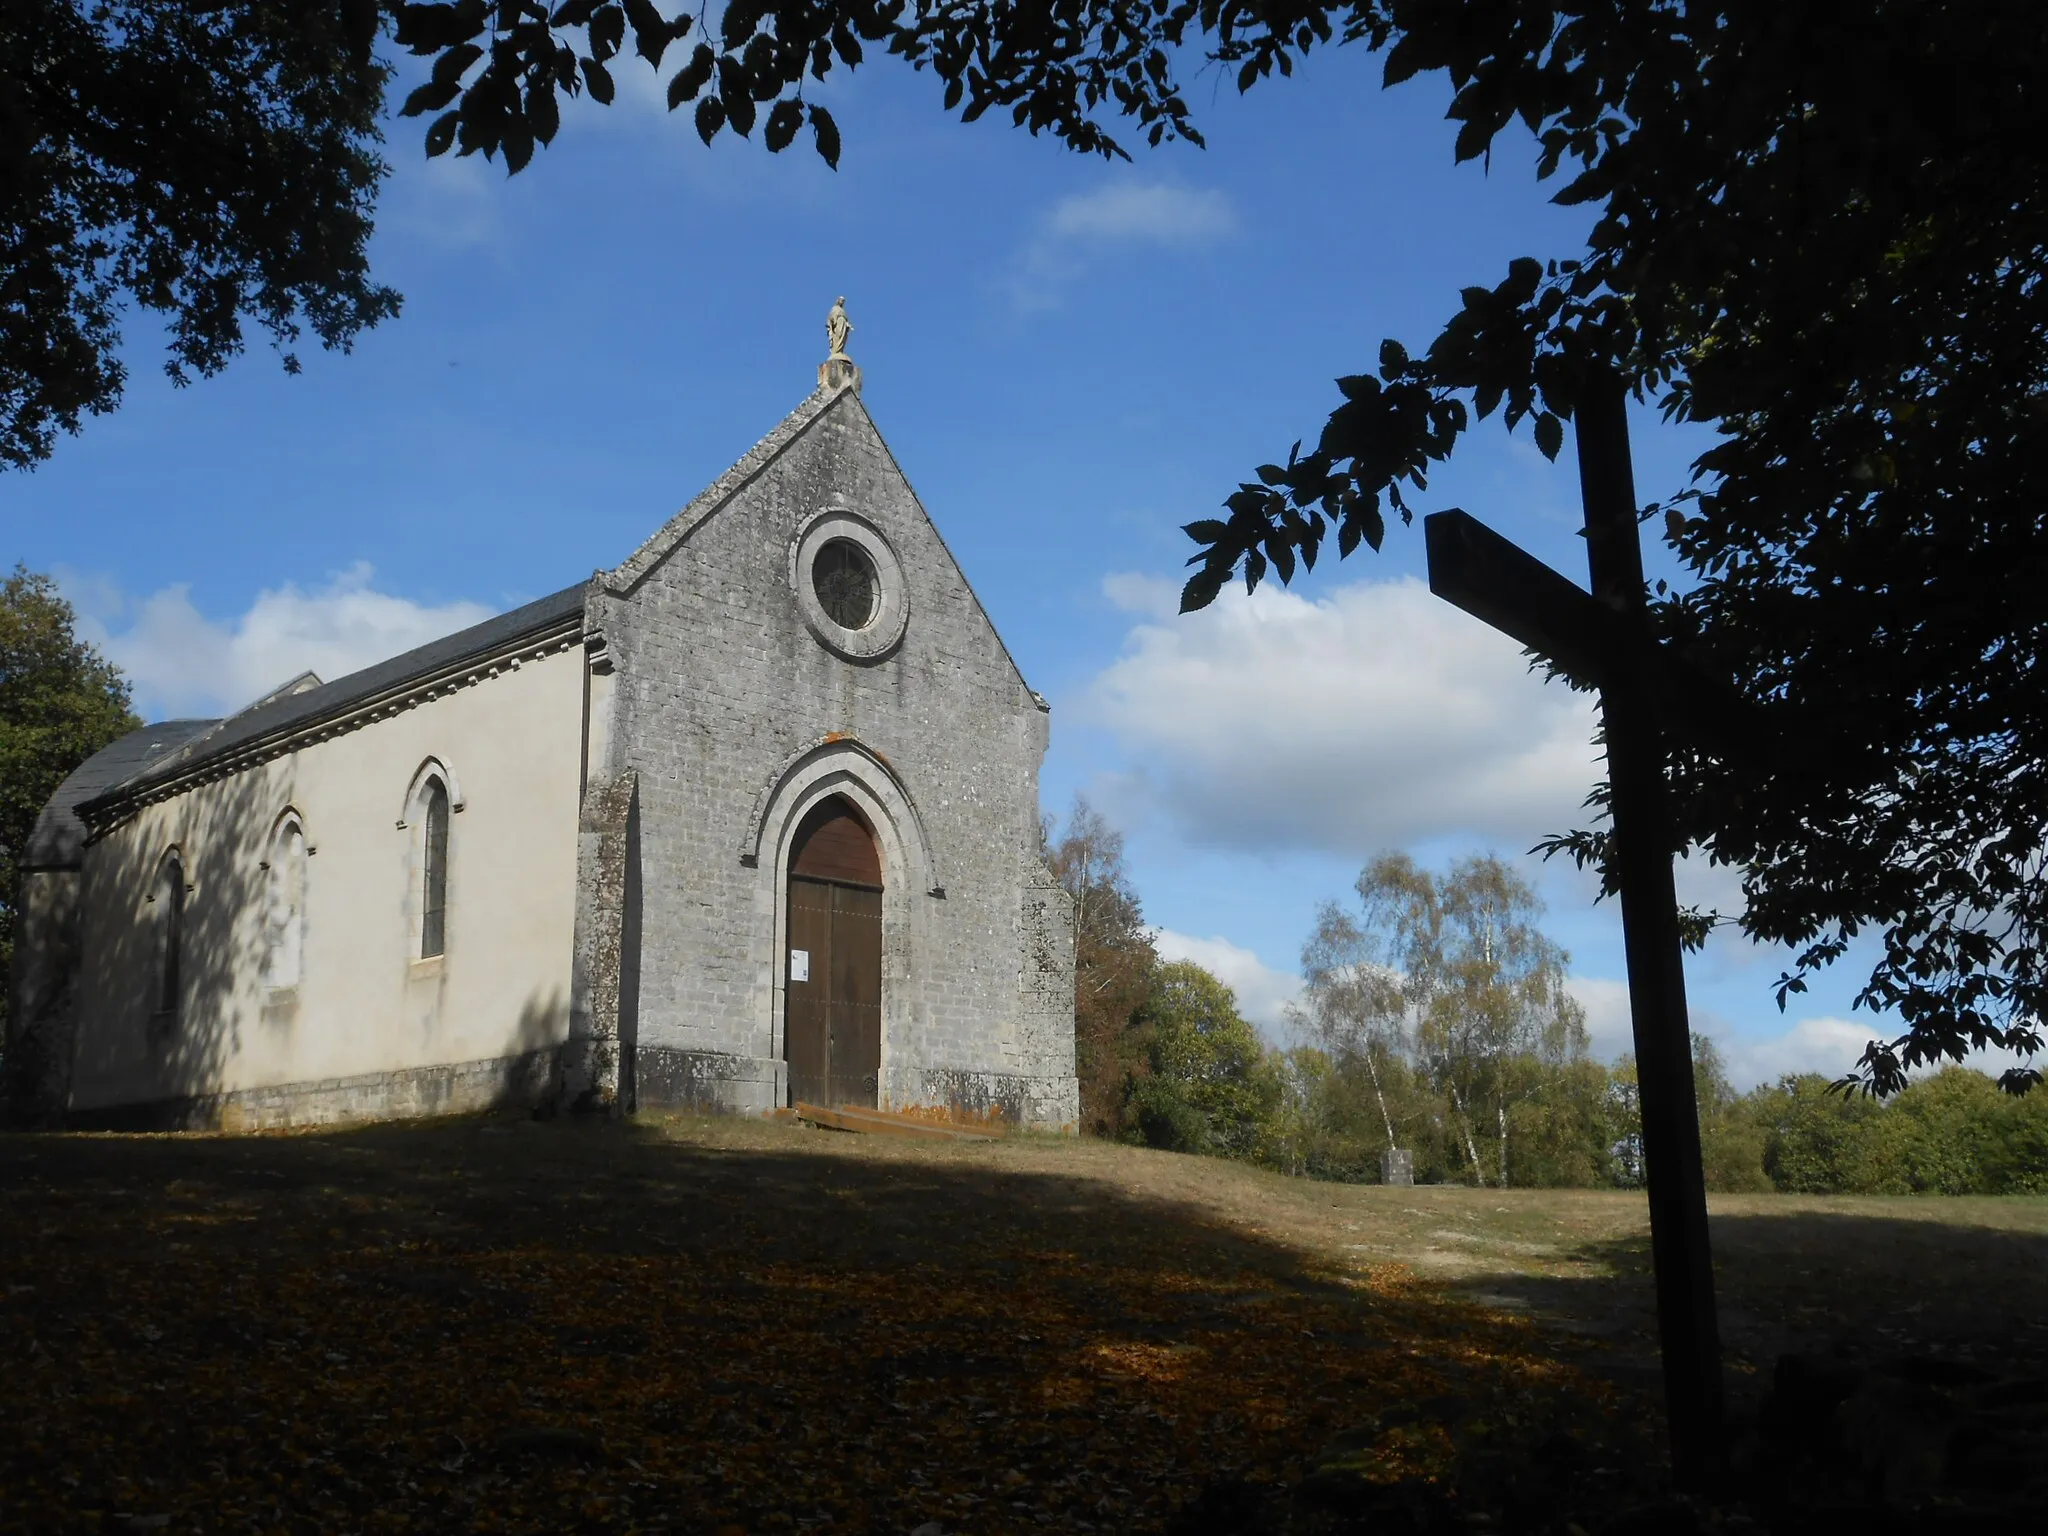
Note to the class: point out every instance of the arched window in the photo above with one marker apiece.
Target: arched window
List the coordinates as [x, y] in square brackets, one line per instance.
[434, 870]
[430, 798]
[285, 918]
[169, 900]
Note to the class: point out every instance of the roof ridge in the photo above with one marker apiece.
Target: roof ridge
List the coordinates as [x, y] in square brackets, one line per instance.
[57, 839]
[659, 545]
[966, 581]
[282, 718]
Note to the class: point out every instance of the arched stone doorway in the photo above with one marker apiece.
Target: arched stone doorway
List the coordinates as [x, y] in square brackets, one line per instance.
[832, 1037]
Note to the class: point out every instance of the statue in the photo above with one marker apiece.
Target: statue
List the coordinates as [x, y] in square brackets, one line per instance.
[838, 371]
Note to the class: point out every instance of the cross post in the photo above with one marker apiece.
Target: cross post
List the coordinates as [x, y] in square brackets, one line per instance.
[1603, 639]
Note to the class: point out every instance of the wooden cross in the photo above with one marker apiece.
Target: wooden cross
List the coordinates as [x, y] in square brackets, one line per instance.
[1602, 638]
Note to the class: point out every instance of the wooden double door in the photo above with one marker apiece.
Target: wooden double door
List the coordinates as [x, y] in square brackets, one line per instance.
[833, 1015]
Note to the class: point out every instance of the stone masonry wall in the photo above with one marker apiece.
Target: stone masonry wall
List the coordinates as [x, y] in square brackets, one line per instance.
[524, 1081]
[720, 684]
[591, 1076]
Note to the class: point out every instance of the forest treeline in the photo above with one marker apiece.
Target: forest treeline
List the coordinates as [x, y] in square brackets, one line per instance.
[1437, 1024]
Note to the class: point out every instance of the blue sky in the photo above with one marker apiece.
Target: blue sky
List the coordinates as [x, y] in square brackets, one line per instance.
[1070, 358]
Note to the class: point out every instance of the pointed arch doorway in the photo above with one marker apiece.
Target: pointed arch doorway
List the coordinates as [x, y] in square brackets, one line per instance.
[832, 1035]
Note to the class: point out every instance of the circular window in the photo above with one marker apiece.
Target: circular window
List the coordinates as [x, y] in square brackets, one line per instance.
[844, 578]
[849, 587]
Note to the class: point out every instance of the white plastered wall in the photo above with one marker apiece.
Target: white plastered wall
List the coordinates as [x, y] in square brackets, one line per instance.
[365, 1003]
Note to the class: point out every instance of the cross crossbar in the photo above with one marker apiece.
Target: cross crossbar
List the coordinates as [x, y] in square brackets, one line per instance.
[1502, 585]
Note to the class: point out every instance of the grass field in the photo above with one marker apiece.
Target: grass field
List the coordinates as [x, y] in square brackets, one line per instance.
[727, 1326]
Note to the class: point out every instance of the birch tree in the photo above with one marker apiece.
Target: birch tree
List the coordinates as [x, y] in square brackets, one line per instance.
[1366, 975]
[1452, 972]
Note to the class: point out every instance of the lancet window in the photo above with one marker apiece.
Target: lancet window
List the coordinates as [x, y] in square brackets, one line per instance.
[169, 901]
[434, 871]
[285, 920]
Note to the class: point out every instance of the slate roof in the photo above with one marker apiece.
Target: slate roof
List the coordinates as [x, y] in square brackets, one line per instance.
[279, 711]
[175, 747]
[58, 840]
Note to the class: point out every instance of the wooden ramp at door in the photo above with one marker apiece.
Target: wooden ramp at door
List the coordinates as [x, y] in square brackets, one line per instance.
[880, 1122]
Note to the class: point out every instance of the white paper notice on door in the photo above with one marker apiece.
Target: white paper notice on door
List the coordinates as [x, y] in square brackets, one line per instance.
[799, 965]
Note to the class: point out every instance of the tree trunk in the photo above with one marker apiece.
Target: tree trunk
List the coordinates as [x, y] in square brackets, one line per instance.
[1471, 1145]
[1373, 1071]
[1501, 1115]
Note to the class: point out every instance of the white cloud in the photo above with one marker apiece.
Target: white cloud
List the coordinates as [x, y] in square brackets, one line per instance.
[642, 89]
[1374, 717]
[1605, 1000]
[183, 663]
[1132, 213]
[1828, 1046]
[1262, 992]
[451, 201]
[1084, 228]
[1153, 596]
[1716, 888]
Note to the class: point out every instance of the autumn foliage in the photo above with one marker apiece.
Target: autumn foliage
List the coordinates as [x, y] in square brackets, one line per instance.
[1114, 961]
[708, 1327]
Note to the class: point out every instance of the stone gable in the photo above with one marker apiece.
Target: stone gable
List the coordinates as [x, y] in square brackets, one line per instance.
[723, 692]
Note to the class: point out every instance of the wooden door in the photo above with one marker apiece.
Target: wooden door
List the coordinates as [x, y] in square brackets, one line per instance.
[807, 1014]
[833, 1014]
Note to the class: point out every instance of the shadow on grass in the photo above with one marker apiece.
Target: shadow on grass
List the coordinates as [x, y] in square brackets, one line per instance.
[1865, 1285]
[1887, 1370]
[505, 1325]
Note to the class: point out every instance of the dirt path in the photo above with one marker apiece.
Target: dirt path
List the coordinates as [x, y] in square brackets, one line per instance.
[738, 1326]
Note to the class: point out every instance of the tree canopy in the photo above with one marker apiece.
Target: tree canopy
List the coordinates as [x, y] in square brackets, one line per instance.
[213, 163]
[1820, 232]
[1114, 961]
[1203, 1090]
[1818, 229]
[1436, 1021]
[1450, 974]
[60, 702]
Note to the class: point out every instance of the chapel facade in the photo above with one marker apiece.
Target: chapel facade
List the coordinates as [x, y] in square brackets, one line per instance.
[748, 820]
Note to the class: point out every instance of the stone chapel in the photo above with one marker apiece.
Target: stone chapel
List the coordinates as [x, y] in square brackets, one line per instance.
[748, 820]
